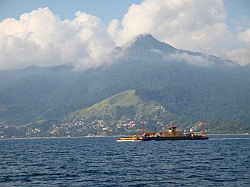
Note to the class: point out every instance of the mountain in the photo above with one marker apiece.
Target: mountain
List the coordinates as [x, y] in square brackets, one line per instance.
[188, 84]
[128, 109]
[118, 107]
[146, 47]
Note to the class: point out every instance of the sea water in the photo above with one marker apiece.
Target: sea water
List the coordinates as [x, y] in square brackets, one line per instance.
[102, 161]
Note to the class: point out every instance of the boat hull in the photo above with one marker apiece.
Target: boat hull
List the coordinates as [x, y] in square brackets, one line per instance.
[174, 138]
[133, 138]
[143, 138]
[172, 134]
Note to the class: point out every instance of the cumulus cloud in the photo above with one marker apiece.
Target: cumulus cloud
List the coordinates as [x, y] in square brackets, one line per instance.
[41, 38]
[242, 53]
[187, 24]
[245, 36]
[184, 24]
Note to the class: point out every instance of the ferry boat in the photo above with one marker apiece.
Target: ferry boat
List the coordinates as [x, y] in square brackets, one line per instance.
[171, 134]
[130, 138]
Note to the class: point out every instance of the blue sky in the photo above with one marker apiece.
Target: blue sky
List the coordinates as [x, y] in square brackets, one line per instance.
[105, 9]
[218, 27]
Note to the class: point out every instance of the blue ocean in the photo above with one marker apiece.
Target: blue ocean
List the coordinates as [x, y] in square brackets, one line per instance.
[223, 160]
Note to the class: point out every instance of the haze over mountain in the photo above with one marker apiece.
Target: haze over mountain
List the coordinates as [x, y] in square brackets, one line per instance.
[147, 47]
[191, 84]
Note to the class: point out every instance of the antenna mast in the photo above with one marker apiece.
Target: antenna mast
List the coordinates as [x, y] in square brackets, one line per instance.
[202, 129]
[142, 127]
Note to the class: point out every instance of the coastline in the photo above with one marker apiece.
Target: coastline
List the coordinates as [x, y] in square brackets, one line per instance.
[96, 136]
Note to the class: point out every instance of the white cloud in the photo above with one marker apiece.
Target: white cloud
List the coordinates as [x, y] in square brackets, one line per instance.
[42, 38]
[184, 24]
[241, 54]
[187, 24]
[245, 36]
[190, 59]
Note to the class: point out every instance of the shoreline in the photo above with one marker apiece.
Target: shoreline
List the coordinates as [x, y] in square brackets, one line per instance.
[115, 136]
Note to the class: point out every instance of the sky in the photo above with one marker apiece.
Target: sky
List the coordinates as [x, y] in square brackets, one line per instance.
[84, 32]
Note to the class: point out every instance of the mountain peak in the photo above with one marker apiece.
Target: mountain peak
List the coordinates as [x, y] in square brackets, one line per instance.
[147, 41]
[145, 45]
[145, 38]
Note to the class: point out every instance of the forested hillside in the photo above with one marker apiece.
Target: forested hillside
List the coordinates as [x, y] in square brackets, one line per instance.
[189, 85]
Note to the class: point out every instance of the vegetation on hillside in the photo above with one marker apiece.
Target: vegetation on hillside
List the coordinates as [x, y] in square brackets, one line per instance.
[141, 83]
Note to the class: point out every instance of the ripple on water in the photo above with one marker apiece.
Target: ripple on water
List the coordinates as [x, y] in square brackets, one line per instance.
[105, 162]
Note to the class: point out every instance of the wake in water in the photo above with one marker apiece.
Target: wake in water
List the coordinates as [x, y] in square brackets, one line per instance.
[230, 137]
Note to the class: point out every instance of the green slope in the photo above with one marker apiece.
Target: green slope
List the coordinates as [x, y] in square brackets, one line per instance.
[128, 106]
[120, 106]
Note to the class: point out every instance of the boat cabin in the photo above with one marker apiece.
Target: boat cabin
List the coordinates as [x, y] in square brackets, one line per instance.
[171, 129]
